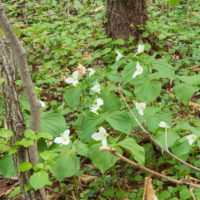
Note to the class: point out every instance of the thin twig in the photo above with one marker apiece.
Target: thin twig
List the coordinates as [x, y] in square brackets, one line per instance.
[152, 139]
[180, 182]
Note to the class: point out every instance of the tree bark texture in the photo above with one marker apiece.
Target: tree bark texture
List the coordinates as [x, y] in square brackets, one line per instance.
[14, 117]
[123, 18]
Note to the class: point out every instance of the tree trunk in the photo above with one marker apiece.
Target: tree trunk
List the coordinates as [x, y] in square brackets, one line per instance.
[124, 16]
[14, 117]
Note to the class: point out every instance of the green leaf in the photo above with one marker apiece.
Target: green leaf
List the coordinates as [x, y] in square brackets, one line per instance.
[65, 165]
[164, 69]
[154, 119]
[44, 135]
[147, 91]
[72, 96]
[25, 142]
[120, 121]
[191, 80]
[2, 80]
[7, 168]
[103, 160]
[15, 192]
[39, 180]
[52, 122]
[5, 133]
[184, 92]
[128, 72]
[111, 101]
[48, 155]
[134, 149]
[82, 149]
[86, 125]
[30, 134]
[25, 166]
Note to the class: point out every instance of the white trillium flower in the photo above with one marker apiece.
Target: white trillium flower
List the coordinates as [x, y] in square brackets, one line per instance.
[96, 105]
[139, 70]
[74, 79]
[91, 71]
[42, 103]
[101, 136]
[119, 55]
[140, 48]
[140, 107]
[163, 124]
[64, 139]
[191, 138]
[96, 88]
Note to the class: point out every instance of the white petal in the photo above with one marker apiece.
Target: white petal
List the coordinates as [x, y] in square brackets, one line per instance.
[69, 80]
[119, 55]
[75, 75]
[162, 124]
[96, 88]
[42, 104]
[104, 142]
[66, 133]
[99, 101]
[191, 138]
[58, 140]
[102, 130]
[75, 82]
[66, 140]
[91, 71]
[139, 70]
[97, 136]
[140, 107]
[140, 48]
[94, 109]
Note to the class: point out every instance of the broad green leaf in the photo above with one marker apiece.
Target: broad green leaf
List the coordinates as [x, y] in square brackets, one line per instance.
[48, 155]
[86, 125]
[5, 133]
[111, 101]
[82, 149]
[184, 92]
[7, 168]
[154, 120]
[181, 148]
[25, 166]
[191, 80]
[147, 91]
[39, 180]
[15, 192]
[164, 69]
[128, 72]
[52, 122]
[172, 138]
[65, 165]
[30, 134]
[25, 142]
[173, 2]
[103, 160]
[72, 96]
[134, 149]
[120, 121]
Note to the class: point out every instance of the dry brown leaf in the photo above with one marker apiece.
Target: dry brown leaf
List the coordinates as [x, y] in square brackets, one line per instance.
[99, 9]
[87, 178]
[63, 77]
[149, 192]
[15, 5]
[81, 69]
[86, 57]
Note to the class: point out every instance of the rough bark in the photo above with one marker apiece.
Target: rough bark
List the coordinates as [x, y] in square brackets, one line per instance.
[21, 64]
[14, 118]
[124, 16]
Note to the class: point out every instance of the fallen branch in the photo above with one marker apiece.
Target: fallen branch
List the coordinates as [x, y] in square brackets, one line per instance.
[152, 139]
[179, 182]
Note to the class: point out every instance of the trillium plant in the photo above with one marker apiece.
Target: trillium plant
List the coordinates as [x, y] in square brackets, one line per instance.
[95, 107]
[140, 107]
[139, 70]
[73, 79]
[101, 136]
[63, 139]
[96, 88]
[191, 138]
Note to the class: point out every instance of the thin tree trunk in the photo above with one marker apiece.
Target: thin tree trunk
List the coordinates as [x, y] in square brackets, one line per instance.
[124, 16]
[18, 126]
[14, 118]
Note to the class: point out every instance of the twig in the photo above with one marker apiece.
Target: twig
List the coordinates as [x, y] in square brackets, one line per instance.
[192, 193]
[180, 182]
[152, 139]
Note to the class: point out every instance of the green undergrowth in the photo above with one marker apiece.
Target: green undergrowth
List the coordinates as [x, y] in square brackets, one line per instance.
[58, 38]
